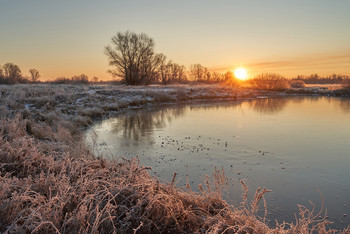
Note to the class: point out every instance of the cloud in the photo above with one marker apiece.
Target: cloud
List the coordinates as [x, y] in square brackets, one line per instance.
[299, 63]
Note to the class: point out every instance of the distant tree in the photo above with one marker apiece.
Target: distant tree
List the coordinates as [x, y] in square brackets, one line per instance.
[165, 71]
[181, 73]
[62, 80]
[346, 83]
[35, 75]
[95, 79]
[197, 72]
[207, 75]
[134, 58]
[217, 77]
[82, 79]
[12, 72]
[176, 72]
[316, 79]
[314, 76]
[230, 79]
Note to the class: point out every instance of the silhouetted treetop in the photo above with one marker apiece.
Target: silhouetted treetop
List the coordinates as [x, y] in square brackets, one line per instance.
[34, 74]
[12, 71]
[134, 58]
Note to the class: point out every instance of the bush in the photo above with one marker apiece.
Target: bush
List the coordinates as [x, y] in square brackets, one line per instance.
[270, 81]
[297, 84]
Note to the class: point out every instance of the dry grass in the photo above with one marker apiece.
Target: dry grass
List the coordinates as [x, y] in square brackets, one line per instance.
[50, 182]
[43, 189]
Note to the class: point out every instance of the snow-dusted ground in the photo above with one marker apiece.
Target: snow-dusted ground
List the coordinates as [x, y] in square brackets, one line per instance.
[81, 104]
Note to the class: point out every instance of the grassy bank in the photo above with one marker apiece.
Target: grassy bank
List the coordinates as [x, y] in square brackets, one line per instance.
[50, 181]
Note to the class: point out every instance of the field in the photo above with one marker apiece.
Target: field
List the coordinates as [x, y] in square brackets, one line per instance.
[51, 182]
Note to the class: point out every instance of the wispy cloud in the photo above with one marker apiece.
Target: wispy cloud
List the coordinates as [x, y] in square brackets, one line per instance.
[309, 61]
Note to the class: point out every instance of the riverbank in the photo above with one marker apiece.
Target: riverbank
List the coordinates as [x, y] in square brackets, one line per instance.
[51, 181]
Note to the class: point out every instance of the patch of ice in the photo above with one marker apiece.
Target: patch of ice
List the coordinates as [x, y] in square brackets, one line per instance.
[28, 106]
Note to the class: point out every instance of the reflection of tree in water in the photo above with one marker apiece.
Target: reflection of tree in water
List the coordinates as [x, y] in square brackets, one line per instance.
[138, 123]
[217, 106]
[268, 105]
[344, 104]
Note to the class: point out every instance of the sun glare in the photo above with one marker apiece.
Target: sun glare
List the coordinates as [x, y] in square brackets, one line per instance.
[240, 73]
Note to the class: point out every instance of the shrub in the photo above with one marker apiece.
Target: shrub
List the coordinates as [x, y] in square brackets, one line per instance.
[297, 84]
[270, 81]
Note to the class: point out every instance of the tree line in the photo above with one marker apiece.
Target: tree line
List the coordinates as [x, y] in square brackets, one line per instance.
[11, 74]
[134, 61]
[317, 79]
[301, 80]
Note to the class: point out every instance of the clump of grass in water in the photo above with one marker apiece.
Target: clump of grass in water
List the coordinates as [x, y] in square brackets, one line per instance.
[46, 188]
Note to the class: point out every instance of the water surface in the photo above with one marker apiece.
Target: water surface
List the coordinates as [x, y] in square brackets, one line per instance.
[293, 146]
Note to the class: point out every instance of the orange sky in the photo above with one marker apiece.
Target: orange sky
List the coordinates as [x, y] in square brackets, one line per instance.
[66, 38]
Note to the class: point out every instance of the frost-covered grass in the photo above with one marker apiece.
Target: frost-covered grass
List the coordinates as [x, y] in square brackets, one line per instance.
[80, 104]
[50, 182]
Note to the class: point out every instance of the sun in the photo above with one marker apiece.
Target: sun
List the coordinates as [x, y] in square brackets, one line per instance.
[240, 73]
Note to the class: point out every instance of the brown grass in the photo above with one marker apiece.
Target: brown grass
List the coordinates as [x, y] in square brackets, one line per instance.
[50, 182]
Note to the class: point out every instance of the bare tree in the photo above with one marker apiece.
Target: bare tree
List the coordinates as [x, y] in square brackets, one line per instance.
[150, 69]
[95, 79]
[207, 75]
[217, 77]
[181, 73]
[165, 72]
[197, 72]
[177, 73]
[229, 79]
[12, 72]
[134, 58]
[81, 79]
[35, 75]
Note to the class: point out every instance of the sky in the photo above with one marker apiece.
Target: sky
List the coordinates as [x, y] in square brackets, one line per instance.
[290, 37]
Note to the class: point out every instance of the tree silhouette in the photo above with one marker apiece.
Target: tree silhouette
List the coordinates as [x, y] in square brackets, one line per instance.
[12, 72]
[197, 72]
[134, 58]
[35, 75]
[165, 71]
[230, 79]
